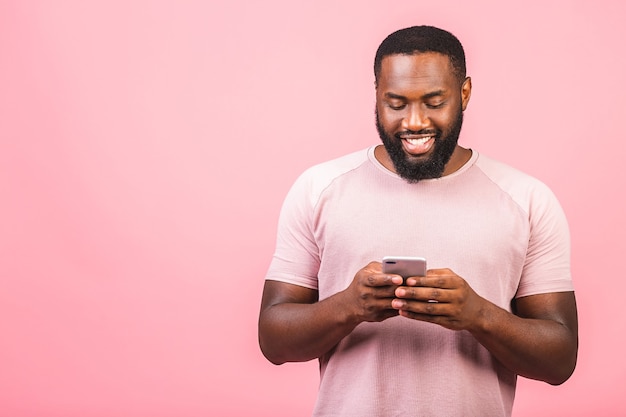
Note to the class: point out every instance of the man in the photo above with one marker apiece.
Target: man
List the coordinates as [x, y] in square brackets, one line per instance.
[498, 300]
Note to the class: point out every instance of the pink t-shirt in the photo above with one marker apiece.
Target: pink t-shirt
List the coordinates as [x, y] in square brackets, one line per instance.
[501, 230]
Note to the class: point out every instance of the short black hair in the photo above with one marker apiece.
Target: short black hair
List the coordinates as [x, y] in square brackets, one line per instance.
[420, 39]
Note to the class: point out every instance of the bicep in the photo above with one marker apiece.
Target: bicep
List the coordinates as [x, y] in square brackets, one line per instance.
[559, 307]
[277, 292]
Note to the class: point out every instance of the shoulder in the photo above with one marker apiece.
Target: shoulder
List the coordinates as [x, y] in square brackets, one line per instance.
[526, 190]
[545, 215]
[504, 174]
[314, 180]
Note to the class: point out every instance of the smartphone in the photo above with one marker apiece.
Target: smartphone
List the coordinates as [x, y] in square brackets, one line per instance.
[405, 266]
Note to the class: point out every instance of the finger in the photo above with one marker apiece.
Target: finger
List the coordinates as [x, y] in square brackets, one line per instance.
[386, 293]
[423, 317]
[417, 309]
[434, 280]
[382, 280]
[424, 294]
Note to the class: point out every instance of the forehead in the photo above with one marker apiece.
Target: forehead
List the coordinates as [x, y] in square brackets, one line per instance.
[416, 72]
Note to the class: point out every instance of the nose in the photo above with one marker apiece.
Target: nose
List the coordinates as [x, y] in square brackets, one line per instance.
[415, 119]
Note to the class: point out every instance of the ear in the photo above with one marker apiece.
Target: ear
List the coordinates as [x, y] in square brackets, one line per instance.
[466, 92]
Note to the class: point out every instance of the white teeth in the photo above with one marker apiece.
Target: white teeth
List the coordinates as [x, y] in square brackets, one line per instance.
[420, 141]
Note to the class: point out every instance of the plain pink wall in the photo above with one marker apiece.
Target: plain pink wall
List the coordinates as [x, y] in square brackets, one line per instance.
[146, 147]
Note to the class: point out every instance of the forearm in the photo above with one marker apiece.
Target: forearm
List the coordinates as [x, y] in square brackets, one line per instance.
[539, 340]
[536, 348]
[295, 332]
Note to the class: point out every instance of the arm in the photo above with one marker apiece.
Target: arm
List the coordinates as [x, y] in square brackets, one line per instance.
[539, 340]
[295, 327]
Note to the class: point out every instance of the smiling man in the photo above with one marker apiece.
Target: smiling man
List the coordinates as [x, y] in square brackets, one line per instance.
[497, 301]
[419, 115]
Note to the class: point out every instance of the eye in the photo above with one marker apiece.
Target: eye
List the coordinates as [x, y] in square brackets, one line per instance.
[396, 106]
[435, 104]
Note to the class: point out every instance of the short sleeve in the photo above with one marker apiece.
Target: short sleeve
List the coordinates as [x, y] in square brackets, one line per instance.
[296, 258]
[547, 266]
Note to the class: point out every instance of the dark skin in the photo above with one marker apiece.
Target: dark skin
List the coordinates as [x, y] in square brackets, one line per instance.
[538, 340]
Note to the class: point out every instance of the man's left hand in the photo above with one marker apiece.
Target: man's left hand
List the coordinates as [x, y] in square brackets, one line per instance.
[441, 297]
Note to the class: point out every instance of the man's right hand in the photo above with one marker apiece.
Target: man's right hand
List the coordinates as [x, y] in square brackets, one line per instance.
[371, 292]
[294, 326]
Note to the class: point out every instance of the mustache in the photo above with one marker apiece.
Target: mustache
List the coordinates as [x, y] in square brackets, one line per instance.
[424, 132]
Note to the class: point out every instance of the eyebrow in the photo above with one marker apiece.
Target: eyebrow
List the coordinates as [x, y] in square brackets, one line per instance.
[394, 96]
[426, 96]
[434, 94]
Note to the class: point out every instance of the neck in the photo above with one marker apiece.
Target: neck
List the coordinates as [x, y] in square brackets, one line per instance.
[459, 157]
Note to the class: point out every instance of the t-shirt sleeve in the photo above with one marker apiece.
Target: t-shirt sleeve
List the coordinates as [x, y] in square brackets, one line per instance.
[296, 259]
[547, 265]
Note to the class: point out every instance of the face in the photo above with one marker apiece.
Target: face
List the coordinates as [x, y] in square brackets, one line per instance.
[419, 113]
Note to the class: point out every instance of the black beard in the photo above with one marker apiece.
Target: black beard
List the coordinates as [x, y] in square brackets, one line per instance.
[434, 166]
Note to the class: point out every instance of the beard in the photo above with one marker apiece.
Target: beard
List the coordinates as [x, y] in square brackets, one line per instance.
[433, 167]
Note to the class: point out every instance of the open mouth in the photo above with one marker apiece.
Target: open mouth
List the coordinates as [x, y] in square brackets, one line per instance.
[417, 144]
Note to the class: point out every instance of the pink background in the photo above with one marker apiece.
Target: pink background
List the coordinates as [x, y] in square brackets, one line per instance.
[146, 147]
